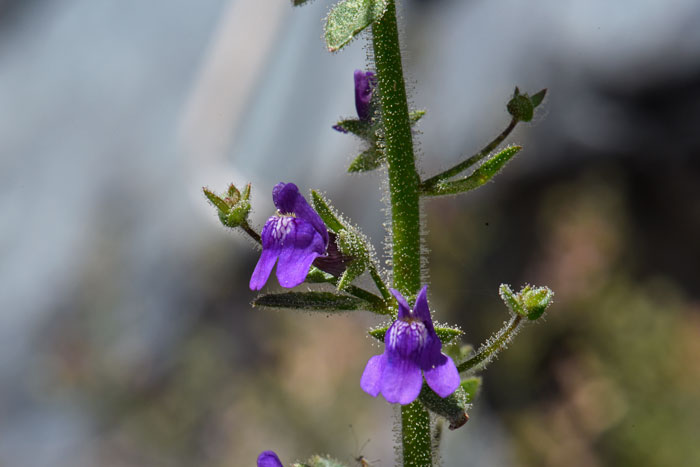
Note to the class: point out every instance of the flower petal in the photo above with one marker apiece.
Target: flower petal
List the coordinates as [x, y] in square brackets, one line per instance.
[268, 258]
[443, 379]
[421, 310]
[404, 308]
[363, 93]
[300, 246]
[288, 200]
[372, 376]
[401, 381]
[269, 459]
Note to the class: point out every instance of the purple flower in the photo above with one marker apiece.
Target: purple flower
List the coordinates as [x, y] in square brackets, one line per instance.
[295, 237]
[411, 349]
[269, 459]
[364, 82]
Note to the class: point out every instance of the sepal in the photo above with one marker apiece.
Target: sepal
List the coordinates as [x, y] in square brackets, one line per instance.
[357, 127]
[233, 209]
[453, 407]
[446, 334]
[369, 159]
[329, 217]
[312, 301]
[348, 18]
[531, 302]
[522, 107]
[352, 245]
[471, 387]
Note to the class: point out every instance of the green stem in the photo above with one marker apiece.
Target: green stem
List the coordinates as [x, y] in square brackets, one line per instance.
[379, 282]
[496, 344]
[464, 165]
[405, 206]
[398, 148]
[252, 233]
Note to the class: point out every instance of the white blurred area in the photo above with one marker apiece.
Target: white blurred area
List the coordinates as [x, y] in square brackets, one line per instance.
[114, 114]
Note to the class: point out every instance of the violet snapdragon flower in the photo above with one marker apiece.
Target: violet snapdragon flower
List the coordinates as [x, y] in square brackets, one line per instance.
[293, 239]
[412, 348]
[269, 459]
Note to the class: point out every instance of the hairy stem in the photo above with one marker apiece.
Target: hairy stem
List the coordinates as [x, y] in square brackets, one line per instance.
[379, 282]
[405, 206]
[251, 233]
[497, 343]
[430, 183]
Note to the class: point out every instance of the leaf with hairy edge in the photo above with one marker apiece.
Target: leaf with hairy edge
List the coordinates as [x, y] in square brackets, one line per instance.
[348, 18]
[312, 301]
[481, 176]
[324, 210]
[445, 334]
[368, 160]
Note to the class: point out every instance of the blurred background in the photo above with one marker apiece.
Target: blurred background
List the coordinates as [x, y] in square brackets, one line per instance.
[126, 332]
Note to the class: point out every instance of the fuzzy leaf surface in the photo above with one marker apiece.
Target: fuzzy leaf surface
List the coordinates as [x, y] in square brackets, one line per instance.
[348, 18]
[312, 301]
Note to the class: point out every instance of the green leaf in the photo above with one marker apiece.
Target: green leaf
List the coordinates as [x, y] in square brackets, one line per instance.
[348, 18]
[471, 387]
[415, 116]
[357, 127]
[453, 407]
[446, 334]
[326, 212]
[538, 98]
[299, 2]
[311, 301]
[369, 160]
[481, 176]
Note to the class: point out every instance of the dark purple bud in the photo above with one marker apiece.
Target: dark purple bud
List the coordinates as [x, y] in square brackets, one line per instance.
[269, 459]
[364, 83]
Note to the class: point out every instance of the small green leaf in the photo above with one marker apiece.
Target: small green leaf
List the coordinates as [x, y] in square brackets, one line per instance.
[312, 301]
[480, 176]
[538, 98]
[316, 276]
[368, 160]
[445, 334]
[453, 407]
[415, 116]
[326, 212]
[299, 2]
[471, 387]
[357, 127]
[348, 18]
